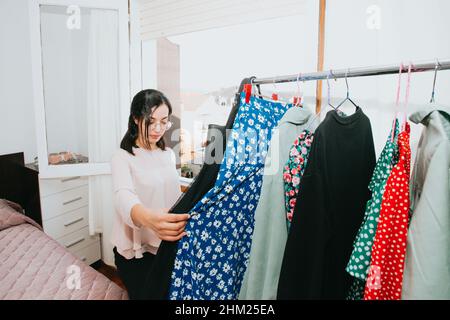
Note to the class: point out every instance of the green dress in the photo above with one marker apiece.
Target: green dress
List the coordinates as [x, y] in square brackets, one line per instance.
[359, 263]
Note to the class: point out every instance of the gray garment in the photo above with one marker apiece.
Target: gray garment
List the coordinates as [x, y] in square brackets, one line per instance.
[270, 233]
[427, 263]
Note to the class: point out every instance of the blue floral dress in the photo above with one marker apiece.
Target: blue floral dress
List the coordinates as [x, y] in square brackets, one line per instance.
[211, 260]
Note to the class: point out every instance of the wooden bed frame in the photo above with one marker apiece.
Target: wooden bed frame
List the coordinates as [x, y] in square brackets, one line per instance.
[20, 184]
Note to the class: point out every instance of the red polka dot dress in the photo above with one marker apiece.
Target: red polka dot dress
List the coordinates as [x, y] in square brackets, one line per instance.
[388, 252]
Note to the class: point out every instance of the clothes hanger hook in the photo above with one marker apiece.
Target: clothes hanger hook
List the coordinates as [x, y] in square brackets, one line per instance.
[252, 84]
[346, 82]
[328, 86]
[436, 68]
[298, 87]
[399, 83]
[334, 77]
[408, 85]
[397, 99]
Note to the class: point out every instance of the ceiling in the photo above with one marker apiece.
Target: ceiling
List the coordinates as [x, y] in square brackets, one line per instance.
[164, 18]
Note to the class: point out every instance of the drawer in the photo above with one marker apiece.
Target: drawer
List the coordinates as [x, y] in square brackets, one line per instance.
[52, 186]
[59, 203]
[67, 223]
[90, 254]
[78, 240]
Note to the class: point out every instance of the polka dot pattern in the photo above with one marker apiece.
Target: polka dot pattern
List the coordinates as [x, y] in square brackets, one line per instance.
[359, 262]
[384, 281]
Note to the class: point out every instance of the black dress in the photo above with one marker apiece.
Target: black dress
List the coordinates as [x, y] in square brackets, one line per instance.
[157, 282]
[329, 210]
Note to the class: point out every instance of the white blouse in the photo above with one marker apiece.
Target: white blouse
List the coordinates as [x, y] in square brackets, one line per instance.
[149, 178]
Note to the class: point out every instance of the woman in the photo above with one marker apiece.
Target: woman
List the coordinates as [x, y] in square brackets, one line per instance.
[145, 183]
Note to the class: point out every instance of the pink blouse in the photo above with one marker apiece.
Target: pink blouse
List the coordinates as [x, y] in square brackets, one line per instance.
[149, 178]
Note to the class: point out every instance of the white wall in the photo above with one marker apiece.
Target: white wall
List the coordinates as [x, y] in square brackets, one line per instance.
[135, 49]
[149, 65]
[409, 30]
[17, 128]
[187, 16]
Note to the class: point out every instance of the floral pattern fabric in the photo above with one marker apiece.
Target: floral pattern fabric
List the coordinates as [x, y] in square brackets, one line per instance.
[293, 171]
[211, 260]
[388, 254]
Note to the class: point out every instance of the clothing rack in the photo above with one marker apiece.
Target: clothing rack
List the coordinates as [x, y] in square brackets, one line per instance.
[357, 72]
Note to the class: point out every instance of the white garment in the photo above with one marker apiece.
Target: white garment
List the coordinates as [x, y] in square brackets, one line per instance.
[149, 178]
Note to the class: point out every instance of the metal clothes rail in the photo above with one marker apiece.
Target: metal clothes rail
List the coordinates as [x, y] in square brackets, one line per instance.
[357, 72]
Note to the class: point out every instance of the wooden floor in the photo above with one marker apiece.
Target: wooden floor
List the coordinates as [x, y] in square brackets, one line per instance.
[109, 272]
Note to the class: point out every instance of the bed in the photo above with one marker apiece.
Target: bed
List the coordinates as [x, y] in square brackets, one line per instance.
[32, 264]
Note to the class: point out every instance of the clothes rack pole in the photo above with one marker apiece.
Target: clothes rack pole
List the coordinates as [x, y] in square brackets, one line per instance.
[356, 72]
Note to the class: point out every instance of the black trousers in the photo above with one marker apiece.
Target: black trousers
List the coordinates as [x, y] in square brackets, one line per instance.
[133, 272]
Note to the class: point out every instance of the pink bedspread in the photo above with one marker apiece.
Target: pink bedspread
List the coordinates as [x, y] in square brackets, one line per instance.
[35, 266]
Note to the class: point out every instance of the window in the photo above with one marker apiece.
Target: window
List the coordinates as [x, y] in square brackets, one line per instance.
[211, 64]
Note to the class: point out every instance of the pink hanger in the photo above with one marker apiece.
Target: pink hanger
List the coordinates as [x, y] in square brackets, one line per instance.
[397, 101]
[408, 85]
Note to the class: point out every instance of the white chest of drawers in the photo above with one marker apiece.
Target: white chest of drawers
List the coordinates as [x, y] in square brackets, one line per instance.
[65, 205]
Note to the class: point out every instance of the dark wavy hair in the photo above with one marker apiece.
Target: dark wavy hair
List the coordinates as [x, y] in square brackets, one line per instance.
[143, 105]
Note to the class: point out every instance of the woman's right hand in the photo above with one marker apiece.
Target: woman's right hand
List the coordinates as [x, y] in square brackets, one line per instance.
[167, 226]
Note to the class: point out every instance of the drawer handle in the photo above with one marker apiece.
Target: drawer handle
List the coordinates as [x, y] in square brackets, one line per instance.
[73, 222]
[73, 200]
[70, 179]
[71, 244]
